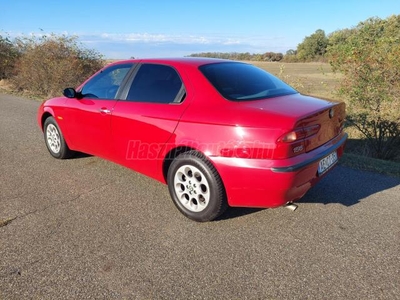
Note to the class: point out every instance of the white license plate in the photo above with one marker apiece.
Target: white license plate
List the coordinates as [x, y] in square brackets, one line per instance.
[327, 162]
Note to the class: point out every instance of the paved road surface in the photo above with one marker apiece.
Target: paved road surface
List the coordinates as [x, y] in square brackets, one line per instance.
[87, 228]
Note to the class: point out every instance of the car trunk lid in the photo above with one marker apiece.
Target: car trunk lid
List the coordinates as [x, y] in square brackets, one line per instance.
[330, 121]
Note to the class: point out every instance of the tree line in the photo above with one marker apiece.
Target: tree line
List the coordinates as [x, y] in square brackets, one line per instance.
[313, 48]
[267, 56]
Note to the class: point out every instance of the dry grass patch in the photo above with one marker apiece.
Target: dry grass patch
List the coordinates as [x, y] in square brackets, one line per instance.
[316, 79]
[7, 221]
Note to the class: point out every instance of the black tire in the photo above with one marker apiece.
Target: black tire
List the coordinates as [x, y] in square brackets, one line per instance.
[196, 187]
[54, 140]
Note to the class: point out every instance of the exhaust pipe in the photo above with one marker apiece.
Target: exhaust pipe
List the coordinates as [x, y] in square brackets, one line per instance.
[291, 206]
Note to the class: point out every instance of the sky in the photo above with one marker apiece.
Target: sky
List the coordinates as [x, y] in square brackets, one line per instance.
[175, 28]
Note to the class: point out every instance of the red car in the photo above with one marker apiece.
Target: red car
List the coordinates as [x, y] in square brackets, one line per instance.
[219, 133]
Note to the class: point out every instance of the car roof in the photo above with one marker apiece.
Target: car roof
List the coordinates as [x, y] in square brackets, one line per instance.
[189, 61]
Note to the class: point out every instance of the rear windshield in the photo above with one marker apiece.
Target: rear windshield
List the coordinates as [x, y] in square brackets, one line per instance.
[243, 82]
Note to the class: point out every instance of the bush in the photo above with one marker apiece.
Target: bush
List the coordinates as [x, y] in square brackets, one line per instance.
[368, 56]
[8, 57]
[49, 64]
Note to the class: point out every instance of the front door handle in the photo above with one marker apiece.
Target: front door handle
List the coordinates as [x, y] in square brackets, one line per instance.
[104, 110]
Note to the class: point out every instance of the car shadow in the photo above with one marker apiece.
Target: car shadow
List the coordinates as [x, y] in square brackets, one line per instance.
[345, 186]
[236, 212]
[348, 187]
[78, 155]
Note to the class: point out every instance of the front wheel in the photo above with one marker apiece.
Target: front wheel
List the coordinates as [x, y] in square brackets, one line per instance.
[196, 187]
[54, 140]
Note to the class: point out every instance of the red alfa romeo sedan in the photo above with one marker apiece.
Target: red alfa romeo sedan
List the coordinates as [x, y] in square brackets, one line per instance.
[219, 133]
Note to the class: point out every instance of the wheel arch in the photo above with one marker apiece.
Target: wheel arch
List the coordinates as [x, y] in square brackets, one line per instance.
[171, 155]
[45, 115]
[175, 152]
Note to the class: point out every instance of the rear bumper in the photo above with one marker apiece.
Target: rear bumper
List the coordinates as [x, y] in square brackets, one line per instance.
[312, 160]
[272, 183]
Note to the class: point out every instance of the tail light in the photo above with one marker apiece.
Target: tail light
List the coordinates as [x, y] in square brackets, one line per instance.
[292, 143]
[288, 145]
[299, 134]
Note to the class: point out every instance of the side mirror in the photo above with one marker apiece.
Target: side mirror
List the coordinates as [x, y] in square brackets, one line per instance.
[70, 93]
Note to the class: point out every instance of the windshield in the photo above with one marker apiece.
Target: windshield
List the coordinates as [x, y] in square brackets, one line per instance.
[244, 82]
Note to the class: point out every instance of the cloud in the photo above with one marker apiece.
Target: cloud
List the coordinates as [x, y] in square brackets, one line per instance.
[161, 38]
[126, 45]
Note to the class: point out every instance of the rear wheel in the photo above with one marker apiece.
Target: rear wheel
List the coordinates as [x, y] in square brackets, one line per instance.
[54, 140]
[196, 187]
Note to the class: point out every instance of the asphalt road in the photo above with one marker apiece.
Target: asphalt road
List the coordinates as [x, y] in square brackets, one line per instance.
[87, 228]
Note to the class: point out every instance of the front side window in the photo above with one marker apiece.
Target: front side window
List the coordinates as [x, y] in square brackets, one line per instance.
[105, 84]
[156, 84]
[244, 82]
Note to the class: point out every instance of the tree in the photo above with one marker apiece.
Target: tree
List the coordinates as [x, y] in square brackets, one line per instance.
[272, 56]
[290, 56]
[291, 52]
[313, 46]
[369, 58]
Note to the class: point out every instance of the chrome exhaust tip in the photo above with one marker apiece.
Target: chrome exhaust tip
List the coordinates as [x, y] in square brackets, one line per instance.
[291, 206]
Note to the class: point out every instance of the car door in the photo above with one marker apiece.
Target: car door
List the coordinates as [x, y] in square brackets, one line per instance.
[143, 122]
[90, 113]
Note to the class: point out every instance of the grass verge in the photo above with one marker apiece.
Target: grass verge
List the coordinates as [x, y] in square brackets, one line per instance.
[370, 164]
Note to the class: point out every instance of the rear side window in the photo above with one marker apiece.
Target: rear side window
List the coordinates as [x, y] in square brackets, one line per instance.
[157, 84]
[244, 82]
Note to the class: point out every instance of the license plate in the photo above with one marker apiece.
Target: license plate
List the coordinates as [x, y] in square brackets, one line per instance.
[327, 162]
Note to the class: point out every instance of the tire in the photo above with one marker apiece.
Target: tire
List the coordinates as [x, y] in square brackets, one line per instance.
[54, 140]
[196, 187]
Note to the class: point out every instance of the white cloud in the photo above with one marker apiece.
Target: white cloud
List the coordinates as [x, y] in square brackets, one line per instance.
[162, 38]
[162, 45]
[125, 45]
